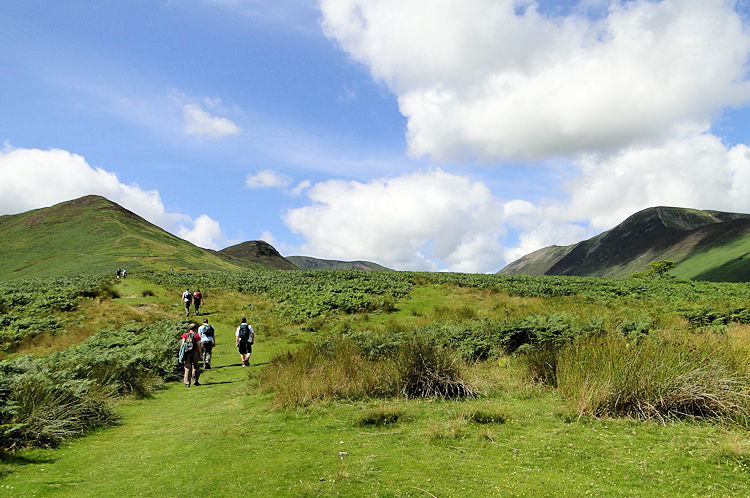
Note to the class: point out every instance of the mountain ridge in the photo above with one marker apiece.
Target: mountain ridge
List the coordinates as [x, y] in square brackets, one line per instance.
[691, 238]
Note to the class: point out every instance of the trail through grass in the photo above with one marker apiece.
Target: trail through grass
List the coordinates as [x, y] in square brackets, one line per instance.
[226, 438]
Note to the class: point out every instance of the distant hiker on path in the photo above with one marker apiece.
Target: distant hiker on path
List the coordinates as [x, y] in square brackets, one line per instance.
[124, 273]
[190, 353]
[197, 299]
[118, 273]
[244, 338]
[187, 298]
[208, 341]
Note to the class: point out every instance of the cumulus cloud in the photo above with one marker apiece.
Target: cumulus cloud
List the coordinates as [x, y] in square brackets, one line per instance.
[267, 179]
[425, 220]
[498, 79]
[34, 178]
[205, 232]
[200, 123]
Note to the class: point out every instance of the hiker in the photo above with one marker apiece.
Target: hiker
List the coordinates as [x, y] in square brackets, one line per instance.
[187, 298]
[208, 341]
[124, 273]
[118, 273]
[197, 299]
[190, 353]
[244, 338]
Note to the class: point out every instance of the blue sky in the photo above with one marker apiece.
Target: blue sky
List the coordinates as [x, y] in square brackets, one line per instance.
[441, 135]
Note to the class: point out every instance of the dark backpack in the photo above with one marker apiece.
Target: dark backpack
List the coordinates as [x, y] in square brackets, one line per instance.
[244, 333]
[189, 344]
[208, 331]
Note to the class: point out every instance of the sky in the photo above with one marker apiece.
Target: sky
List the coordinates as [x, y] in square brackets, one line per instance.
[437, 135]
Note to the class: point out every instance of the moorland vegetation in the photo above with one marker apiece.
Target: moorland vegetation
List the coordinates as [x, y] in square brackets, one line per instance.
[506, 370]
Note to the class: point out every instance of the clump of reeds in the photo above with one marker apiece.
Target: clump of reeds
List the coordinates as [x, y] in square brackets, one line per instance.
[656, 378]
[337, 369]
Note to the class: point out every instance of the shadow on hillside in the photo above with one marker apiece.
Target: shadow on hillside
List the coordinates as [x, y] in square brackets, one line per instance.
[26, 460]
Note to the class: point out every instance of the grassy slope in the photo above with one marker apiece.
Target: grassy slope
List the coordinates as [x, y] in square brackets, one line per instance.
[241, 446]
[95, 234]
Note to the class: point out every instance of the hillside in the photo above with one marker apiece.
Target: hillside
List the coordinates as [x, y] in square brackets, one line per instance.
[92, 234]
[705, 245]
[256, 252]
[309, 263]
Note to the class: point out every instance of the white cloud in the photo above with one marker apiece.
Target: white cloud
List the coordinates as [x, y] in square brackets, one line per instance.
[34, 178]
[425, 220]
[301, 186]
[477, 79]
[268, 237]
[694, 170]
[205, 232]
[267, 179]
[199, 122]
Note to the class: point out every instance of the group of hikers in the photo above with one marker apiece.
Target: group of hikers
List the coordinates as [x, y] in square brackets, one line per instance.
[121, 272]
[198, 344]
[194, 298]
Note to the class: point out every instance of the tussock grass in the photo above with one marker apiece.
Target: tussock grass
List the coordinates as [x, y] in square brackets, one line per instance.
[381, 416]
[657, 378]
[337, 369]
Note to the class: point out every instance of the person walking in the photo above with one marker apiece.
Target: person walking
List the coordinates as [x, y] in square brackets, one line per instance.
[197, 300]
[190, 353]
[244, 339]
[187, 299]
[208, 341]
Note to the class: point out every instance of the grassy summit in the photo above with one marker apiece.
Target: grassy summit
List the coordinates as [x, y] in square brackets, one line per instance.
[92, 234]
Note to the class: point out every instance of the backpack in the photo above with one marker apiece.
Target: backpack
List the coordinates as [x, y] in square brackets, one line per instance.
[187, 297]
[208, 331]
[189, 344]
[244, 333]
[197, 296]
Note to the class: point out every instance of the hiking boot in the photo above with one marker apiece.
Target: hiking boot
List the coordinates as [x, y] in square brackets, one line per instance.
[196, 383]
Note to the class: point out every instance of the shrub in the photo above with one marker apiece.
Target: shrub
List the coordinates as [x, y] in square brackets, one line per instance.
[657, 378]
[425, 370]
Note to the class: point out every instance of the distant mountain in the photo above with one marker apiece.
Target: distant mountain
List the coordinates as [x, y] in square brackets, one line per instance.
[93, 234]
[705, 245]
[256, 252]
[309, 263]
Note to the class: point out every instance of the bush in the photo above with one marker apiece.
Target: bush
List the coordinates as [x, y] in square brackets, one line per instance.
[425, 370]
[657, 378]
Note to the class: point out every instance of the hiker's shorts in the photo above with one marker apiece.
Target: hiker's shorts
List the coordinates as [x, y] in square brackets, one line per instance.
[245, 347]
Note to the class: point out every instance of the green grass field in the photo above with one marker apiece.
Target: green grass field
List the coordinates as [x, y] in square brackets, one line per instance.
[230, 437]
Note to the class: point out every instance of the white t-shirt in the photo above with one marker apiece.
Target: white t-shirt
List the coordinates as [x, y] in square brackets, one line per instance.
[252, 333]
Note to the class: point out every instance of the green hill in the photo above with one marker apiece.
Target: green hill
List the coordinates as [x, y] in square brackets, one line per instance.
[93, 234]
[705, 245]
[309, 263]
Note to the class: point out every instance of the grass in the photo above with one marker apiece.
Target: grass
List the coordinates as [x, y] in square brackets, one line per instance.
[656, 378]
[517, 438]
